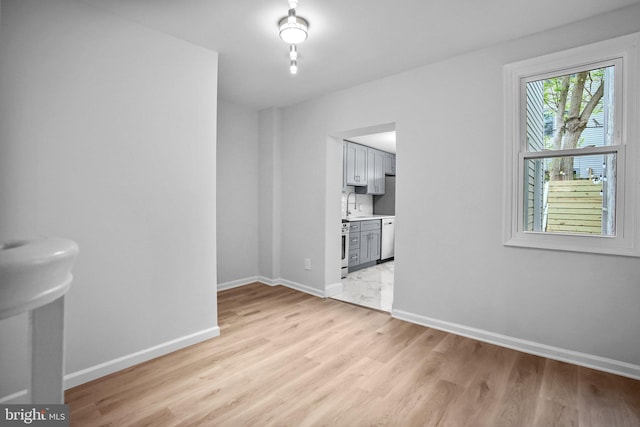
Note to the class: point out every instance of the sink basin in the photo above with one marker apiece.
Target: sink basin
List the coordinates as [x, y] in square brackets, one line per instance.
[34, 272]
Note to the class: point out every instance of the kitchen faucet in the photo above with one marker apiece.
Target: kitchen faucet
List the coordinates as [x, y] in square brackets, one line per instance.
[354, 202]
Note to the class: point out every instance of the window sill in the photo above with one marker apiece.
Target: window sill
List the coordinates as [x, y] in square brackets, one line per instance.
[602, 245]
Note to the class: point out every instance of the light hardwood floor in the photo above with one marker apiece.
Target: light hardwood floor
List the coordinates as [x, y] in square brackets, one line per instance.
[285, 358]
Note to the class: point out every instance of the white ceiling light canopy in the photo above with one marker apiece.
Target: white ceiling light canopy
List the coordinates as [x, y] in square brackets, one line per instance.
[293, 30]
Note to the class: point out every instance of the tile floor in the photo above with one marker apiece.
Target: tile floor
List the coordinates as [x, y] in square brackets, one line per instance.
[370, 287]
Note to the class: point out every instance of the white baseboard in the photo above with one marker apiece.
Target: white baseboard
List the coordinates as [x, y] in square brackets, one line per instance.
[85, 375]
[267, 281]
[237, 283]
[582, 359]
[300, 287]
[273, 282]
[333, 289]
[15, 398]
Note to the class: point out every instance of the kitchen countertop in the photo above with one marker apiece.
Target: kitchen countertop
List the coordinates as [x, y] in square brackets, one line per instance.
[365, 218]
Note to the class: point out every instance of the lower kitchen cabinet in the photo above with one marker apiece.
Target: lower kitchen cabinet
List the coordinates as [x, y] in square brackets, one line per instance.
[354, 257]
[364, 243]
[354, 244]
[369, 246]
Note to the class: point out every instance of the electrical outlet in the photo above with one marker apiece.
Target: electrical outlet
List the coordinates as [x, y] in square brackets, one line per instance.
[307, 263]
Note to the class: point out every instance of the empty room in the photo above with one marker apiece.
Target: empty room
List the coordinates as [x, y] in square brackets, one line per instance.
[303, 212]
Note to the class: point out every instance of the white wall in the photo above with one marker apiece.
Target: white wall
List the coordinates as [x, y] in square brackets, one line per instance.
[237, 193]
[359, 204]
[269, 202]
[451, 265]
[108, 136]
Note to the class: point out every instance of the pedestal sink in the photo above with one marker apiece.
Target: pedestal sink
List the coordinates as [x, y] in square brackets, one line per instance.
[34, 276]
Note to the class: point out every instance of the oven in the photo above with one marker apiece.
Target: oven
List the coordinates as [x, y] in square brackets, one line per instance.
[344, 261]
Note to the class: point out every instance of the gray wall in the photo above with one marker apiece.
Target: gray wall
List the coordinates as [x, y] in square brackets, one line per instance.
[451, 264]
[237, 193]
[386, 203]
[108, 135]
[269, 201]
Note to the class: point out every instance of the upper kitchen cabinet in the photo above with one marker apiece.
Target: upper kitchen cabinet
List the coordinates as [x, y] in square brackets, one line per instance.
[356, 169]
[375, 171]
[390, 164]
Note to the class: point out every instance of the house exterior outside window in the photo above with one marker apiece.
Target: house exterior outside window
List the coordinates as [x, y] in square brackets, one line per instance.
[581, 199]
[571, 150]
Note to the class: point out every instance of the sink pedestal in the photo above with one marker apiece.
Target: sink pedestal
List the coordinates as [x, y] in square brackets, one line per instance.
[34, 277]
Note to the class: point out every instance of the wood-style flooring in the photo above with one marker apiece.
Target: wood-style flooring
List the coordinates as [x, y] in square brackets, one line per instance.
[285, 358]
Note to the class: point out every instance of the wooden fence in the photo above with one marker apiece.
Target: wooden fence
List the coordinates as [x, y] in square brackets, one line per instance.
[574, 207]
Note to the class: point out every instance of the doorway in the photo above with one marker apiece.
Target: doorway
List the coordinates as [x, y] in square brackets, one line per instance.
[367, 212]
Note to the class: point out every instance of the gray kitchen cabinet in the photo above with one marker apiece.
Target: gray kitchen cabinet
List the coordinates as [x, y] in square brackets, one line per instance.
[370, 246]
[375, 171]
[369, 224]
[364, 243]
[389, 164]
[354, 244]
[354, 240]
[356, 160]
[376, 240]
[370, 241]
[365, 168]
[354, 257]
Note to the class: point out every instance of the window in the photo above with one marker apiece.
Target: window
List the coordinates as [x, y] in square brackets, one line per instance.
[570, 139]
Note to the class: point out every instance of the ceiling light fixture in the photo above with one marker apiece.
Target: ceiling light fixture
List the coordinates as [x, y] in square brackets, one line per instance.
[293, 30]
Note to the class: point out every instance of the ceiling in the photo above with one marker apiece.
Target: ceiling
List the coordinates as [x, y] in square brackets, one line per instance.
[350, 42]
[385, 141]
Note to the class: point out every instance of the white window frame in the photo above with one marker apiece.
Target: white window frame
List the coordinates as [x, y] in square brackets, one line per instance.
[623, 53]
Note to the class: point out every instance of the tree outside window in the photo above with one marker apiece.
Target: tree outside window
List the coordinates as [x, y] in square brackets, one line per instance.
[570, 193]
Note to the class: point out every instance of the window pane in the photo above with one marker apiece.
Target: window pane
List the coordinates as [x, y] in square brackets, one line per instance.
[570, 195]
[570, 111]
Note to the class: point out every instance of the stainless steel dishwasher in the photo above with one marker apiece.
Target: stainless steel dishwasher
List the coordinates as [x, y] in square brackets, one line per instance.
[387, 243]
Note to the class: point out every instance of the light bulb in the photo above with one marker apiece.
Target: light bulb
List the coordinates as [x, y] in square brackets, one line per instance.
[294, 67]
[293, 4]
[293, 29]
[293, 52]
